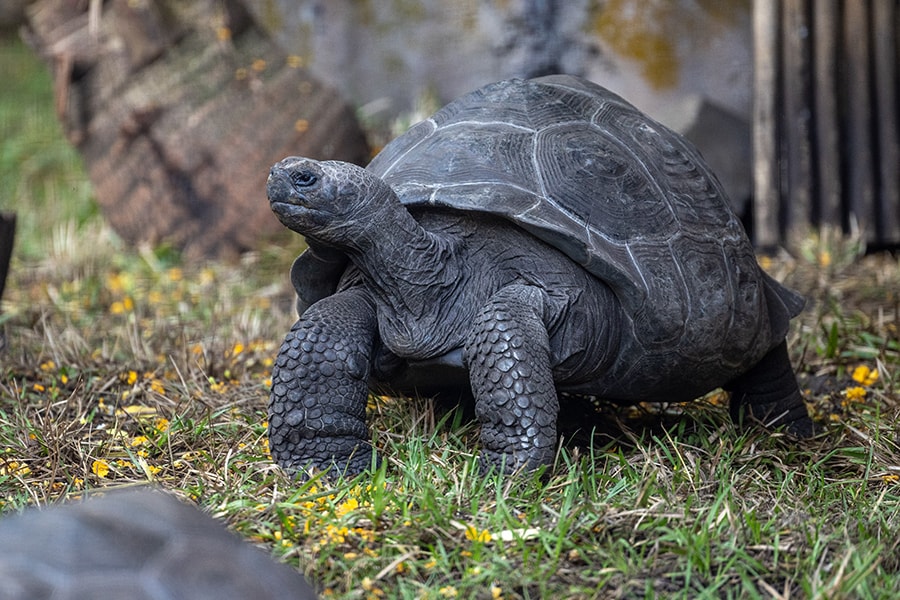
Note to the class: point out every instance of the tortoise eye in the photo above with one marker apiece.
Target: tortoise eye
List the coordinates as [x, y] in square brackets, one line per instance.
[303, 178]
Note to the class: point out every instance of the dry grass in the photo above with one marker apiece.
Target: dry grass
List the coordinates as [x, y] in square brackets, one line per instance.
[126, 368]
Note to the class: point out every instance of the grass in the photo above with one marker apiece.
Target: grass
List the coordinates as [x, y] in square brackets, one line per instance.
[126, 367]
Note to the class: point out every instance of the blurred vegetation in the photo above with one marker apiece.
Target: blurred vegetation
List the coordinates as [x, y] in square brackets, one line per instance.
[41, 178]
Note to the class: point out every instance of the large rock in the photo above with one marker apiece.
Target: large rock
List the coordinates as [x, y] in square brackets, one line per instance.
[650, 52]
[139, 544]
[179, 109]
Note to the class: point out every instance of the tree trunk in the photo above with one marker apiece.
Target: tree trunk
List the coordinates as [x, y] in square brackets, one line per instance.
[179, 109]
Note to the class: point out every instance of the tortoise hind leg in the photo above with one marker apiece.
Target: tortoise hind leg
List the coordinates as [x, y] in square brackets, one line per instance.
[769, 392]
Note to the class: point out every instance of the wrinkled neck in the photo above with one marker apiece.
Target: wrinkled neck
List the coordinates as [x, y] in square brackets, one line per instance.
[408, 267]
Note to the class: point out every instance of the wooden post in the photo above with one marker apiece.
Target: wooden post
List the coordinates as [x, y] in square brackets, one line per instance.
[860, 189]
[7, 236]
[886, 49]
[765, 138]
[826, 124]
[797, 151]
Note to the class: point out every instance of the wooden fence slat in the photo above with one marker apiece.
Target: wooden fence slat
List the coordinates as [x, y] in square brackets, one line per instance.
[765, 150]
[884, 36]
[826, 125]
[858, 147]
[795, 60]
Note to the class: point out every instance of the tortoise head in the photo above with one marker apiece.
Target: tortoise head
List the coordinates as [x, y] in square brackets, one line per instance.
[328, 200]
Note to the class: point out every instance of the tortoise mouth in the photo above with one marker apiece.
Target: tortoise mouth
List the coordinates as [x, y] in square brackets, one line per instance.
[285, 207]
[282, 194]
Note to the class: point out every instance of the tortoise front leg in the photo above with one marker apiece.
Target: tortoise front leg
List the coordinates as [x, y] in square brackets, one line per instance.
[770, 393]
[508, 356]
[317, 406]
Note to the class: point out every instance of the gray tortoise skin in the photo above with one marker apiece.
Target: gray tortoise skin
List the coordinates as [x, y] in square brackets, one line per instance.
[530, 241]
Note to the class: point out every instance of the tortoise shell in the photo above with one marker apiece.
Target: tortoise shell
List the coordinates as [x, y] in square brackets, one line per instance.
[622, 195]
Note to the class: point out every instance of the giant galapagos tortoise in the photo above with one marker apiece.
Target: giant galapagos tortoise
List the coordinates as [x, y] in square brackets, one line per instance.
[533, 240]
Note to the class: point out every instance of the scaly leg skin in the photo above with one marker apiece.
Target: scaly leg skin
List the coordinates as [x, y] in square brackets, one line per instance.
[317, 406]
[770, 393]
[508, 357]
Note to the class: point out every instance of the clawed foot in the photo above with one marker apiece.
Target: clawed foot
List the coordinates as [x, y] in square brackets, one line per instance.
[330, 462]
[794, 421]
[768, 393]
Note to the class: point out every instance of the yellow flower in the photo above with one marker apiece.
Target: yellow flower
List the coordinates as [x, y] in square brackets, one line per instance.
[337, 535]
[864, 375]
[48, 365]
[496, 592]
[347, 506]
[15, 468]
[116, 282]
[38, 387]
[476, 535]
[161, 424]
[448, 591]
[259, 65]
[294, 61]
[119, 307]
[855, 393]
[131, 378]
[100, 468]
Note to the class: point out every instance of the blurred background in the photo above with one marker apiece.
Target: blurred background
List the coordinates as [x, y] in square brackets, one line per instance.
[176, 109]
